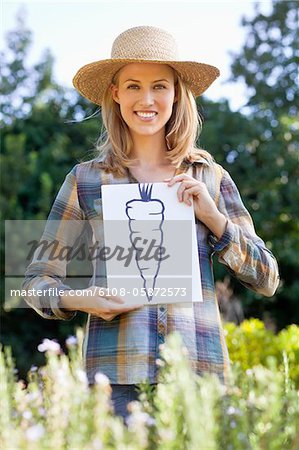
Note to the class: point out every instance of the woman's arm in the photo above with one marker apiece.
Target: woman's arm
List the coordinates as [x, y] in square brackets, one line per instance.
[47, 271]
[239, 248]
[232, 235]
[64, 226]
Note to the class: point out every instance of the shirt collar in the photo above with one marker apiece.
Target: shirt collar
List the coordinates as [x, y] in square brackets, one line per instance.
[201, 160]
[198, 160]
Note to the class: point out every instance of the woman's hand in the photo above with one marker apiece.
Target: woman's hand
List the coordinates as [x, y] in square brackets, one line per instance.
[99, 304]
[205, 208]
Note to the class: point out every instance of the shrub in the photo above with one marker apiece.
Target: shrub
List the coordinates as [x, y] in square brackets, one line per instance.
[56, 409]
[251, 344]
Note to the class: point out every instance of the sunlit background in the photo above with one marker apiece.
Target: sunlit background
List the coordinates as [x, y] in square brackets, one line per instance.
[43, 135]
[78, 32]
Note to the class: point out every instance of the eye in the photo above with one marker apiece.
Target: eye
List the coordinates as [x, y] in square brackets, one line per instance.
[160, 86]
[132, 86]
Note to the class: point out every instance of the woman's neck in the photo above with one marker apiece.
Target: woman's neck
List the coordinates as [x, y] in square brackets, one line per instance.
[150, 151]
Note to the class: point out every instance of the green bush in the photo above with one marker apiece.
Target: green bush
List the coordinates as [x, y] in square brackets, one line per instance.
[55, 409]
[251, 344]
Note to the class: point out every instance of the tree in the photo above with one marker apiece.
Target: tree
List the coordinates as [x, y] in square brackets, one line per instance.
[40, 144]
[265, 161]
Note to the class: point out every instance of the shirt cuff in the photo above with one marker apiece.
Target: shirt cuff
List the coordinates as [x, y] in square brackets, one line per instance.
[219, 244]
[60, 313]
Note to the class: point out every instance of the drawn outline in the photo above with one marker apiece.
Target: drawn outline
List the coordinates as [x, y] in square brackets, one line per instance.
[145, 192]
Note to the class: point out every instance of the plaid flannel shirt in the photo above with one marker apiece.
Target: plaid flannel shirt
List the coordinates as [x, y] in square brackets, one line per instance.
[126, 348]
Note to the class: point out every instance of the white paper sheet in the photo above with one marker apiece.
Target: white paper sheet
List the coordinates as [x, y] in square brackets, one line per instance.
[141, 222]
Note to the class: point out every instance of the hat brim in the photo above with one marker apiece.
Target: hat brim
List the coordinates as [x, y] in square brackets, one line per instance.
[92, 80]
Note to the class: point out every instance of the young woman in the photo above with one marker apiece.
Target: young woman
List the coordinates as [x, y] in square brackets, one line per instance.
[147, 96]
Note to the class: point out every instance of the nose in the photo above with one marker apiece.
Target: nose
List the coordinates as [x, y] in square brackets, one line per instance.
[146, 97]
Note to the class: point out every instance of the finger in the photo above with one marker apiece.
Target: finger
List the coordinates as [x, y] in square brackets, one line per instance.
[189, 193]
[194, 189]
[186, 184]
[135, 307]
[124, 309]
[114, 299]
[100, 312]
[109, 317]
[177, 178]
[187, 198]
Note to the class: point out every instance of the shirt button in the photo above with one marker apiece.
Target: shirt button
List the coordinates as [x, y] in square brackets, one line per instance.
[162, 308]
[160, 338]
[161, 328]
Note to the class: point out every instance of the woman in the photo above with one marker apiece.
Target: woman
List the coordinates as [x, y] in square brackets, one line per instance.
[149, 111]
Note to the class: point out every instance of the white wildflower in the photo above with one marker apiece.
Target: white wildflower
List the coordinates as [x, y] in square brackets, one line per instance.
[96, 444]
[62, 376]
[167, 435]
[242, 437]
[138, 417]
[101, 379]
[27, 414]
[231, 410]
[81, 375]
[35, 432]
[150, 421]
[49, 345]
[233, 424]
[33, 395]
[251, 397]
[159, 362]
[33, 368]
[71, 341]
[42, 412]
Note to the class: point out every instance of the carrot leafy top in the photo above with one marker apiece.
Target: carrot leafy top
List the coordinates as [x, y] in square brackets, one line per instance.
[145, 192]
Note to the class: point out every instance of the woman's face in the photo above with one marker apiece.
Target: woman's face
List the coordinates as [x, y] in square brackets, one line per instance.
[145, 93]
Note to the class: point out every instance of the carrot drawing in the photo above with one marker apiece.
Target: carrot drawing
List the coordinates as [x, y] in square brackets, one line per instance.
[144, 231]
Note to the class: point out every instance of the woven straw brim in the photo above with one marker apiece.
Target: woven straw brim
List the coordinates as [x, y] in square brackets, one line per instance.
[92, 80]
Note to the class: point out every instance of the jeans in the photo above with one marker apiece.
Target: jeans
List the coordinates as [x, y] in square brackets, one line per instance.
[122, 394]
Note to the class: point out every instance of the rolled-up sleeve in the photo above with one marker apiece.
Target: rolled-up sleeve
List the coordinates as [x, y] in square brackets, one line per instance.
[46, 274]
[239, 248]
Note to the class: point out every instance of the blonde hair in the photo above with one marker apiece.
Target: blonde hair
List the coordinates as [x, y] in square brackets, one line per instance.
[181, 132]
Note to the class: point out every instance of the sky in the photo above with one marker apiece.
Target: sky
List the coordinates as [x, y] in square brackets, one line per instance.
[78, 32]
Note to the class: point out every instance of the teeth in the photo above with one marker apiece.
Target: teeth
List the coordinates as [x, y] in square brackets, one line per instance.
[143, 114]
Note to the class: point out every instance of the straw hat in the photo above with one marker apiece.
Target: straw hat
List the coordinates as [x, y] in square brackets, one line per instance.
[142, 44]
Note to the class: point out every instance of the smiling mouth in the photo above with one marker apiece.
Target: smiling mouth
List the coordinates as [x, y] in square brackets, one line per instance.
[145, 115]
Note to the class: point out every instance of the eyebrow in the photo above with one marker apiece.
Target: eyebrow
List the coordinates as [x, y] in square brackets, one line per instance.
[137, 81]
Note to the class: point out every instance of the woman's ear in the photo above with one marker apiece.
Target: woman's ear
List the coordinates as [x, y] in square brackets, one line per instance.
[114, 92]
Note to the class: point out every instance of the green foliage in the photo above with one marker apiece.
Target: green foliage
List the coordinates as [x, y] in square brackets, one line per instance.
[258, 145]
[39, 139]
[39, 144]
[55, 408]
[268, 60]
[251, 344]
[260, 149]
